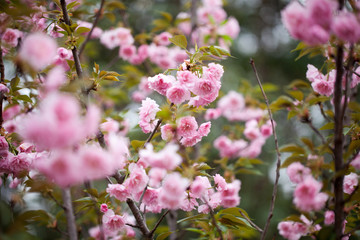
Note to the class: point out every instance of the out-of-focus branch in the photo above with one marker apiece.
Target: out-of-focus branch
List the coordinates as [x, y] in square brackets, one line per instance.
[158, 223]
[79, 71]
[251, 222]
[139, 219]
[2, 81]
[278, 163]
[97, 17]
[69, 212]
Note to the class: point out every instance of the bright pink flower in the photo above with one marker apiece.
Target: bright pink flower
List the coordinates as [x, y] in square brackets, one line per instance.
[230, 195]
[4, 147]
[26, 147]
[205, 88]
[161, 83]
[172, 191]
[177, 94]
[187, 126]
[143, 52]
[167, 158]
[323, 87]
[350, 182]
[127, 52]
[11, 37]
[329, 217]
[266, 129]
[347, 27]
[113, 222]
[119, 191]
[104, 208]
[19, 163]
[189, 203]
[38, 50]
[163, 38]
[220, 183]
[64, 53]
[307, 195]
[168, 132]
[4, 89]
[297, 172]
[213, 72]
[137, 180]
[191, 141]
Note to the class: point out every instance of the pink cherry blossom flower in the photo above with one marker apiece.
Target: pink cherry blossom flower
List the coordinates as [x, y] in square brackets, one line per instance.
[329, 217]
[187, 126]
[200, 186]
[307, 195]
[167, 158]
[204, 129]
[191, 141]
[147, 114]
[230, 28]
[212, 113]
[137, 180]
[11, 37]
[230, 195]
[161, 83]
[172, 191]
[297, 172]
[55, 78]
[313, 73]
[113, 222]
[347, 27]
[321, 12]
[127, 52]
[168, 132]
[11, 112]
[119, 191]
[163, 38]
[104, 208]
[291, 230]
[156, 175]
[187, 78]
[38, 50]
[350, 182]
[19, 163]
[4, 147]
[177, 94]
[220, 183]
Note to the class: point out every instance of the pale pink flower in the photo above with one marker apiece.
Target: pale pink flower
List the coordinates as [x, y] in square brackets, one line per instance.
[187, 126]
[220, 183]
[4, 89]
[206, 88]
[127, 52]
[137, 180]
[266, 129]
[14, 183]
[110, 126]
[168, 132]
[26, 147]
[64, 53]
[323, 87]
[230, 28]
[189, 203]
[113, 222]
[356, 162]
[19, 163]
[38, 50]
[229, 148]
[346, 27]
[200, 186]
[151, 200]
[96, 31]
[143, 51]
[167, 158]
[313, 74]
[4, 147]
[147, 114]
[191, 141]
[156, 175]
[163, 38]
[350, 182]
[291, 230]
[230, 195]
[177, 94]
[116, 37]
[329, 217]
[297, 172]
[11, 37]
[172, 191]
[204, 129]
[252, 130]
[213, 72]
[231, 103]
[187, 78]
[55, 78]
[307, 195]
[161, 83]
[118, 148]
[321, 12]
[119, 191]
[212, 113]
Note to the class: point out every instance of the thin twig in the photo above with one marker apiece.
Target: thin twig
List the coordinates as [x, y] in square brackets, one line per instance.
[97, 17]
[153, 132]
[323, 113]
[317, 132]
[142, 196]
[132, 225]
[55, 200]
[251, 222]
[69, 212]
[348, 80]
[214, 222]
[158, 223]
[278, 163]
[79, 71]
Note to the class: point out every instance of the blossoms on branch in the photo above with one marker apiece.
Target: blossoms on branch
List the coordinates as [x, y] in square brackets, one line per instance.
[147, 115]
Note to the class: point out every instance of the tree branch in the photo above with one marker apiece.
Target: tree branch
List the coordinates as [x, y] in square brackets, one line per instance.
[2, 81]
[139, 218]
[79, 71]
[214, 222]
[338, 145]
[158, 223]
[97, 17]
[278, 163]
[251, 222]
[69, 212]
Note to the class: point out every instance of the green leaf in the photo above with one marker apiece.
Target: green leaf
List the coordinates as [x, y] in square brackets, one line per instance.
[308, 143]
[136, 144]
[231, 220]
[81, 30]
[298, 83]
[163, 236]
[167, 16]
[179, 40]
[298, 95]
[292, 114]
[72, 4]
[281, 102]
[14, 82]
[192, 218]
[328, 126]
[292, 148]
[24, 98]
[291, 160]
[319, 99]
[116, 4]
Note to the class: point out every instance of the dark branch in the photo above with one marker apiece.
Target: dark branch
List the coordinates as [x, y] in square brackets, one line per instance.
[97, 17]
[158, 223]
[278, 163]
[69, 212]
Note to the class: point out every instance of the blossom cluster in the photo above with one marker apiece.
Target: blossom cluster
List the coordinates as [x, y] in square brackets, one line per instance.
[315, 22]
